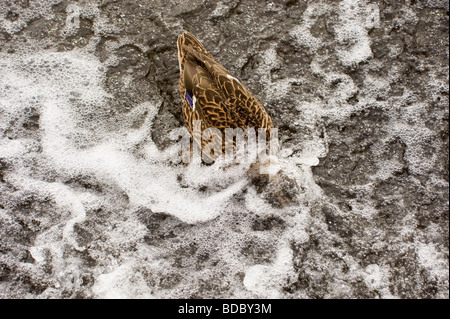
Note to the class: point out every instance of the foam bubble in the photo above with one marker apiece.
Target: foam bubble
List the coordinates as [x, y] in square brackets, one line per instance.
[352, 34]
[122, 283]
[432, 260]
[14, 19]
[266, 281]
[302, 31]
[377, 278]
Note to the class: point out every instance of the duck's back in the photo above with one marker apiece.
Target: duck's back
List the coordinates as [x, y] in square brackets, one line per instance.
[212, 95]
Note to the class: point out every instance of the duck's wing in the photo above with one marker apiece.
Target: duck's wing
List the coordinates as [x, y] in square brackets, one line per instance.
[211, 94]
[202, 98]
[244, 108]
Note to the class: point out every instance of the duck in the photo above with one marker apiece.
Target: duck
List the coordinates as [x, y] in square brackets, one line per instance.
[211, 95]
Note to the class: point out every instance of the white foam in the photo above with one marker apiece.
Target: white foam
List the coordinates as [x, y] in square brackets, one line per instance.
[352, 34]
[302, 31]
[433, 260]
[34, 10]
[377, 278]
[146, 183]
[419, 160]
[266, 281]
[122, 283]
[355, 18]
[38, 254]
[72, 92]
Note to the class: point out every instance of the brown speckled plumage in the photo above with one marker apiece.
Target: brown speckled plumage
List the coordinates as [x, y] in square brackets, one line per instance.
[221, 101]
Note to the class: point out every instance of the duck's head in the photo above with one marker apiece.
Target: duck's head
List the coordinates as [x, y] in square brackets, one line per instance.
[184, 41]
[189, 65]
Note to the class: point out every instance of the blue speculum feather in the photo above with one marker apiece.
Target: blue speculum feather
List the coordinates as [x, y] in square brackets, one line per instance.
[188, 98]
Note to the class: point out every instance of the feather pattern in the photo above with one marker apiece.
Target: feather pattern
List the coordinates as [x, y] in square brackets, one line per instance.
[212, 95]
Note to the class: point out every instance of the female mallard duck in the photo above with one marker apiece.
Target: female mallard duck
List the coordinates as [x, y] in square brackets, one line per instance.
[210, 94]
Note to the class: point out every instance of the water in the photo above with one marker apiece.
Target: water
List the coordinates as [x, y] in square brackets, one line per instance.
[92, 206]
